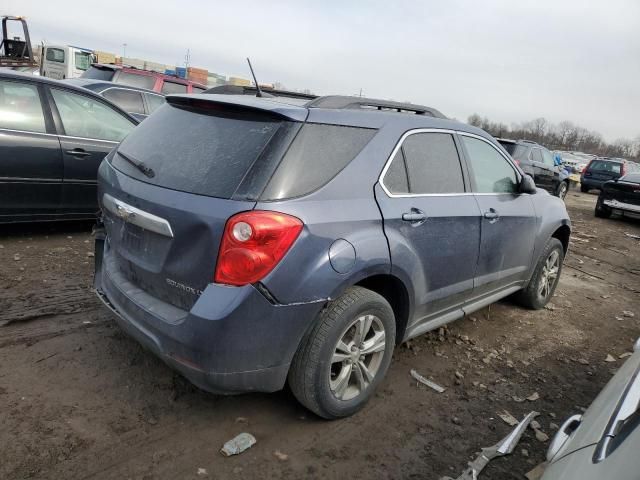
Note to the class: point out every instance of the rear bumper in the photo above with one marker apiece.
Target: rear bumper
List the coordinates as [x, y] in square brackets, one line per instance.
[232, 341]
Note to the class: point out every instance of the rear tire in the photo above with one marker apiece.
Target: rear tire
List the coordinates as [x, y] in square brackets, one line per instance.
[332, 374]
[545, 277]
[584, 189]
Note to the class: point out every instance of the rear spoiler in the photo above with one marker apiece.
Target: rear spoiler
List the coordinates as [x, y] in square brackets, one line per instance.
[238, 103]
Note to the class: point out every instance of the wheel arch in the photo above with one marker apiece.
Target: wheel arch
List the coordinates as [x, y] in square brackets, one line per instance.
[563, 233]
[396, 293]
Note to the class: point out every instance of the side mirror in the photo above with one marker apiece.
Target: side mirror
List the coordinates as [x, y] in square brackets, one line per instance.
[527, 185]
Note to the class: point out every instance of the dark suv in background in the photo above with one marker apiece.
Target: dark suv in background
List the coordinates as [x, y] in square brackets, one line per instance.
[248, 240]
[537, 161]
[603, 169]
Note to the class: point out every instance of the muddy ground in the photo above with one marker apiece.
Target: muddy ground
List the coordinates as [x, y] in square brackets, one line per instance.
[79, 399]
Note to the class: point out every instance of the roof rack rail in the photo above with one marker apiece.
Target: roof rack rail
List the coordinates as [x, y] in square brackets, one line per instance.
[528, 141]
[346, 102]
[250, 90]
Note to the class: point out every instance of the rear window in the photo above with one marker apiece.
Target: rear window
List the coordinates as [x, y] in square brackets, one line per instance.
[173, 87]
[195, 152]
[318, 153]
[98, 73]
[513, 149]
[605, 166]
[135, 80]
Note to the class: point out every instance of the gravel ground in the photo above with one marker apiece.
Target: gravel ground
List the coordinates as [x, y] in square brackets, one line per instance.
[82, 400]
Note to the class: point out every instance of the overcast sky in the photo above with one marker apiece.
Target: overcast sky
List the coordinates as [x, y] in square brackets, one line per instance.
[512, 61]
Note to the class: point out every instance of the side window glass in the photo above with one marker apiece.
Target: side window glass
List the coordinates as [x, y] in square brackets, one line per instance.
[491, 171]
[433, 164]
[173, 87]
[536, 156]
[396, 177]
[55, 55]
[127, 100]
[83, 116]
[20, 107]
[154, 101]
[548, 158]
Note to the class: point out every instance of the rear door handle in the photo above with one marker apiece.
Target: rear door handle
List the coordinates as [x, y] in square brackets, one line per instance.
[415, 216]
[492, 215]
[78, 152]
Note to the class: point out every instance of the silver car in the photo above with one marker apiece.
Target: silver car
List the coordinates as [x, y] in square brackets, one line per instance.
[604, 443]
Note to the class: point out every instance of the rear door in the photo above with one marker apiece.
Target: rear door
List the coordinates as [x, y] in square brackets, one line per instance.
[542, 174]
[88, 129]
[509, 221]
[30, 159]
[431, 221]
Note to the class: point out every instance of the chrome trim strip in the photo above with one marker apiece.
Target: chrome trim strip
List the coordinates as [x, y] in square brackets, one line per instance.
[30, 179]
[622, 205]
[436, 130]
[56, 135]
[136, 216]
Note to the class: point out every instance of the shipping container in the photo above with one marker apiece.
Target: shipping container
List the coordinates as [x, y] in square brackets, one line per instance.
[243, 82]
[181, 72]
[133, 62]
[155, 66]
[104, 57]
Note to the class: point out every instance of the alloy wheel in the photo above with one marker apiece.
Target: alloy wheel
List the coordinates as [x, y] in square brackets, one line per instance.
[562, 191]
[357, 357]
[549, 274]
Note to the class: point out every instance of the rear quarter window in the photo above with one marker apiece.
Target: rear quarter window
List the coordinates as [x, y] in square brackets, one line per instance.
[135, 80]
[318, 153]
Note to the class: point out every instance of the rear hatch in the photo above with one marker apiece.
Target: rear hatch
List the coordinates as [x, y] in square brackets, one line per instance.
[170, 187]
[604, 170]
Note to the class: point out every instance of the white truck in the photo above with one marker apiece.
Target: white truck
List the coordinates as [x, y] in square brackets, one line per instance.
[64, 61]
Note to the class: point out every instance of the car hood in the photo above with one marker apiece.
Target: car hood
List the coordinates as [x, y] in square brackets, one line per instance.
[597, 416]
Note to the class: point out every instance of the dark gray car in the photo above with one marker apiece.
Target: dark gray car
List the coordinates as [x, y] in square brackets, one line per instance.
[249, 241]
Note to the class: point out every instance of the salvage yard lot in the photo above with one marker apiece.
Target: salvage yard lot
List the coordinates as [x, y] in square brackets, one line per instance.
[81, 400]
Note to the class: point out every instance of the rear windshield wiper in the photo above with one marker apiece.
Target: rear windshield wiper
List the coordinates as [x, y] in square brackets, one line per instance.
[138, 164]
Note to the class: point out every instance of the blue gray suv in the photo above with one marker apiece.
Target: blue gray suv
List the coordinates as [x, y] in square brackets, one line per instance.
[253, 241]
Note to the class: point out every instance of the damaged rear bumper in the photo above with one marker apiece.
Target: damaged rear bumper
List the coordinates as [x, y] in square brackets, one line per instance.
[233, 340]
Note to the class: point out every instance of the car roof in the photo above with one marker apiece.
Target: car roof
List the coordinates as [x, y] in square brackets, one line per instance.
[150, 73]
[344, 112]
[102, 85]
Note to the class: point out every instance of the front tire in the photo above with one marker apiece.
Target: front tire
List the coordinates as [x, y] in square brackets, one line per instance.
[562, 190]
[602, 211]
[545, 276]
[341, 362]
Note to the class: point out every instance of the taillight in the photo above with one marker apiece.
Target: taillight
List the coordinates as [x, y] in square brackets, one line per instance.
[623, 170]
[252, 245]
[586, 169]
[517, 161]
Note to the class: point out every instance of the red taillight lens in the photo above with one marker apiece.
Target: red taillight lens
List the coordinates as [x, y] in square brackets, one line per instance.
[623, 170]
[252, 245]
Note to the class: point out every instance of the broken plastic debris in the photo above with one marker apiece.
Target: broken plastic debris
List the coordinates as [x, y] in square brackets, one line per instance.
[281, 456]
[536, 473]
[627, 313]
[503, 447]
[533, 397]
[202, 471]
[609, 358]
[625, 355]
[508, 418]
[631, 235]
[427, 382]
[238, 444]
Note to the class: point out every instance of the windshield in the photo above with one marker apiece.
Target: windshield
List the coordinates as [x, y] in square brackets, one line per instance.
[82, 60]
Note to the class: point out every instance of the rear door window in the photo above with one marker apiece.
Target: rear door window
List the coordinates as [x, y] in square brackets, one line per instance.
[207, 153]
[318, 153]
[173, 87]
[20, 107]
[432, 163]
[135, 80]
[548, 158]
[491, 172]
[128, 100]
[536, 155]
[86, 117]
